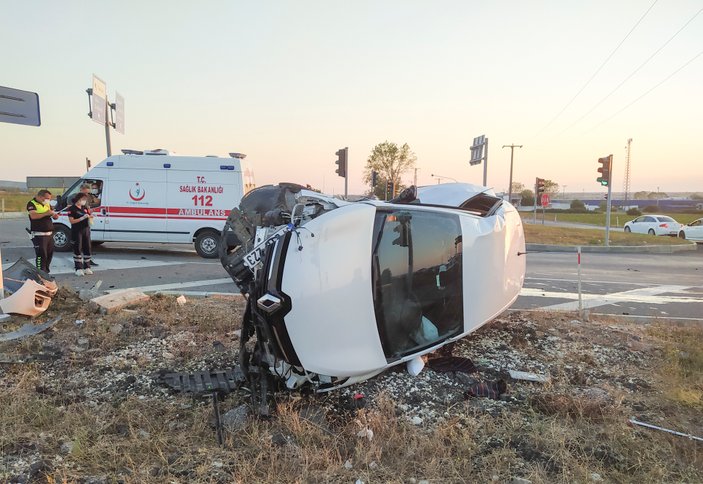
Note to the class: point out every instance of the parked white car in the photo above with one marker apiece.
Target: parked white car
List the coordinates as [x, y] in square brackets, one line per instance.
[692, 231]
[653, 225]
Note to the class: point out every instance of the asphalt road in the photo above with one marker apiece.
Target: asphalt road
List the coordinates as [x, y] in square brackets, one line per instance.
[641, 286]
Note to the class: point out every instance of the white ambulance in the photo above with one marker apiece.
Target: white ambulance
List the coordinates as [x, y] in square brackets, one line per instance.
[153, 196]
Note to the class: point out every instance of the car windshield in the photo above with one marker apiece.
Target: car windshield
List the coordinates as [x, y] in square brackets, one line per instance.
[417, 267]
[666, 219]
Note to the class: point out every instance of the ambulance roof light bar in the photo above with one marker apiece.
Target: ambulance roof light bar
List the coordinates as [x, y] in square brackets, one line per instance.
[239, 156]
[160, 151]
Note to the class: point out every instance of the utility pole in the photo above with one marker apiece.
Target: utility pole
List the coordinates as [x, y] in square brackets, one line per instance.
[510, 187]
[415, 177]
[626, 182]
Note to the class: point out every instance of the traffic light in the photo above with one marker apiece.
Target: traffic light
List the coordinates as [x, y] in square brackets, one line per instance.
[605, 170]
[341, 162]
[374, 178]
[389, 188]
[539, 187]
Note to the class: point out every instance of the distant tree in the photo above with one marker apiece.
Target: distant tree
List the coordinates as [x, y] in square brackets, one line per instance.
[517, 187]
[527, 198]
[551, 187]
[634, 211]
[650, 209]
[696, 196]
[577, 205]
[640, 195]
[390, 161]
[655, 195]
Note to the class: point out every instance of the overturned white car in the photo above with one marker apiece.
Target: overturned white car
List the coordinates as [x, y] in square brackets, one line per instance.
[340, 291]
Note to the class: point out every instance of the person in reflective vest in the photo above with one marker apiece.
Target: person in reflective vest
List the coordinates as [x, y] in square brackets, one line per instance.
[42, 228]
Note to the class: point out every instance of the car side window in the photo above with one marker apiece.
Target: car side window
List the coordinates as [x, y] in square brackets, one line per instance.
[649, 219]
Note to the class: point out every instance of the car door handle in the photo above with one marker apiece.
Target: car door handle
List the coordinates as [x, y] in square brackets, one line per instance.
[103, 211]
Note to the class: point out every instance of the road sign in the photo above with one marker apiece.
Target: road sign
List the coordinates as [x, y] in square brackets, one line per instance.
[545, 200]
[98, 106]
[119, 113]
[477, 150]
[19, 107]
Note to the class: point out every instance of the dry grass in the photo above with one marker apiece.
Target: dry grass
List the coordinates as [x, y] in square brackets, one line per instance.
[566, 431]
[544, 234]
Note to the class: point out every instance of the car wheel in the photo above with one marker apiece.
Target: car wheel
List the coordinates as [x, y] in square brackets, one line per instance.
[651, 232]
[627, 229]
[682, 235]
[207, 244]
[62, 238]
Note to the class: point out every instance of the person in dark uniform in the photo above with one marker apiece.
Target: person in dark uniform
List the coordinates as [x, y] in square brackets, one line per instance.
[80, 217]
[93, 201]
[42, 228]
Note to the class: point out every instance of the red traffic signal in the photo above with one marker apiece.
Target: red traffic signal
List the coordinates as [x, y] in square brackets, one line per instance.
[539, 186]
[605, 170]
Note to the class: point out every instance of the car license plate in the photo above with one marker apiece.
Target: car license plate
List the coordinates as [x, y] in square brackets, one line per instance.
[255, 256]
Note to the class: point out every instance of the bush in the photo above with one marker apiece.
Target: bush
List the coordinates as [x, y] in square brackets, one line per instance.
[634, 211]
[650, 209]
[577, 205]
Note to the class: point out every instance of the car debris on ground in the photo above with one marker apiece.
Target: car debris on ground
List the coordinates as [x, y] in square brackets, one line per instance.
[30, 289]
[93, 404]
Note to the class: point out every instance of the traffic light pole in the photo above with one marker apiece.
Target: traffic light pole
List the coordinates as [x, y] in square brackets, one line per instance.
[485, 166]
[609, 203]
[346, 174]
[535, 205]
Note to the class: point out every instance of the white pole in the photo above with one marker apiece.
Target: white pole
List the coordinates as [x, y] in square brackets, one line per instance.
[579, 278]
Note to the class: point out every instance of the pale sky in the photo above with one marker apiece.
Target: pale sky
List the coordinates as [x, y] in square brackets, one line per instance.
[289, 83]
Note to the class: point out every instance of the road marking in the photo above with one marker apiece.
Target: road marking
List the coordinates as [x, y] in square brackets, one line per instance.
[64, 265]
[615, 315]
[647, 295]
[233, 295]
[180, 285]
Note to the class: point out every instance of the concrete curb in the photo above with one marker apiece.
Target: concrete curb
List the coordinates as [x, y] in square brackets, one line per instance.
[615, 249]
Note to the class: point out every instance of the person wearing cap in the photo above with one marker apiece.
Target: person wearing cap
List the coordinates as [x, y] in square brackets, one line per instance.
[42, 228]
[79, 216]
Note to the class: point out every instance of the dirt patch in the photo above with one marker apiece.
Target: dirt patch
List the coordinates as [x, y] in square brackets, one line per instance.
[88, 405]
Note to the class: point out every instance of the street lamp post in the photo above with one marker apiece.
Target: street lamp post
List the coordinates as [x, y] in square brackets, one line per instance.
[510, 187]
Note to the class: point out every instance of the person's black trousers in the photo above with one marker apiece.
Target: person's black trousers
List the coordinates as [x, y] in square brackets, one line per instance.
[81, 247]
[44, 250]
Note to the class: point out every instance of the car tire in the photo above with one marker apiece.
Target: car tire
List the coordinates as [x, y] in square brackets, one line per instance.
[62, 239]
[651, 232]
[207, 244]
[682, 235]
[627, 229]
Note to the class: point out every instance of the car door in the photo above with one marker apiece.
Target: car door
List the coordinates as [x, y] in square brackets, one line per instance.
[638, 225]
[650, 223]
[695, 230]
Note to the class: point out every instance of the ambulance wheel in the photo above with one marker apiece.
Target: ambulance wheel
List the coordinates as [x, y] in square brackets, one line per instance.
[207, 244]
[62, 238]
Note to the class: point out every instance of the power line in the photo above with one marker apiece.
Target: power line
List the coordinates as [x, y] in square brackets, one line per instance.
[597, 70]
[635, 71]
[648, 91]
